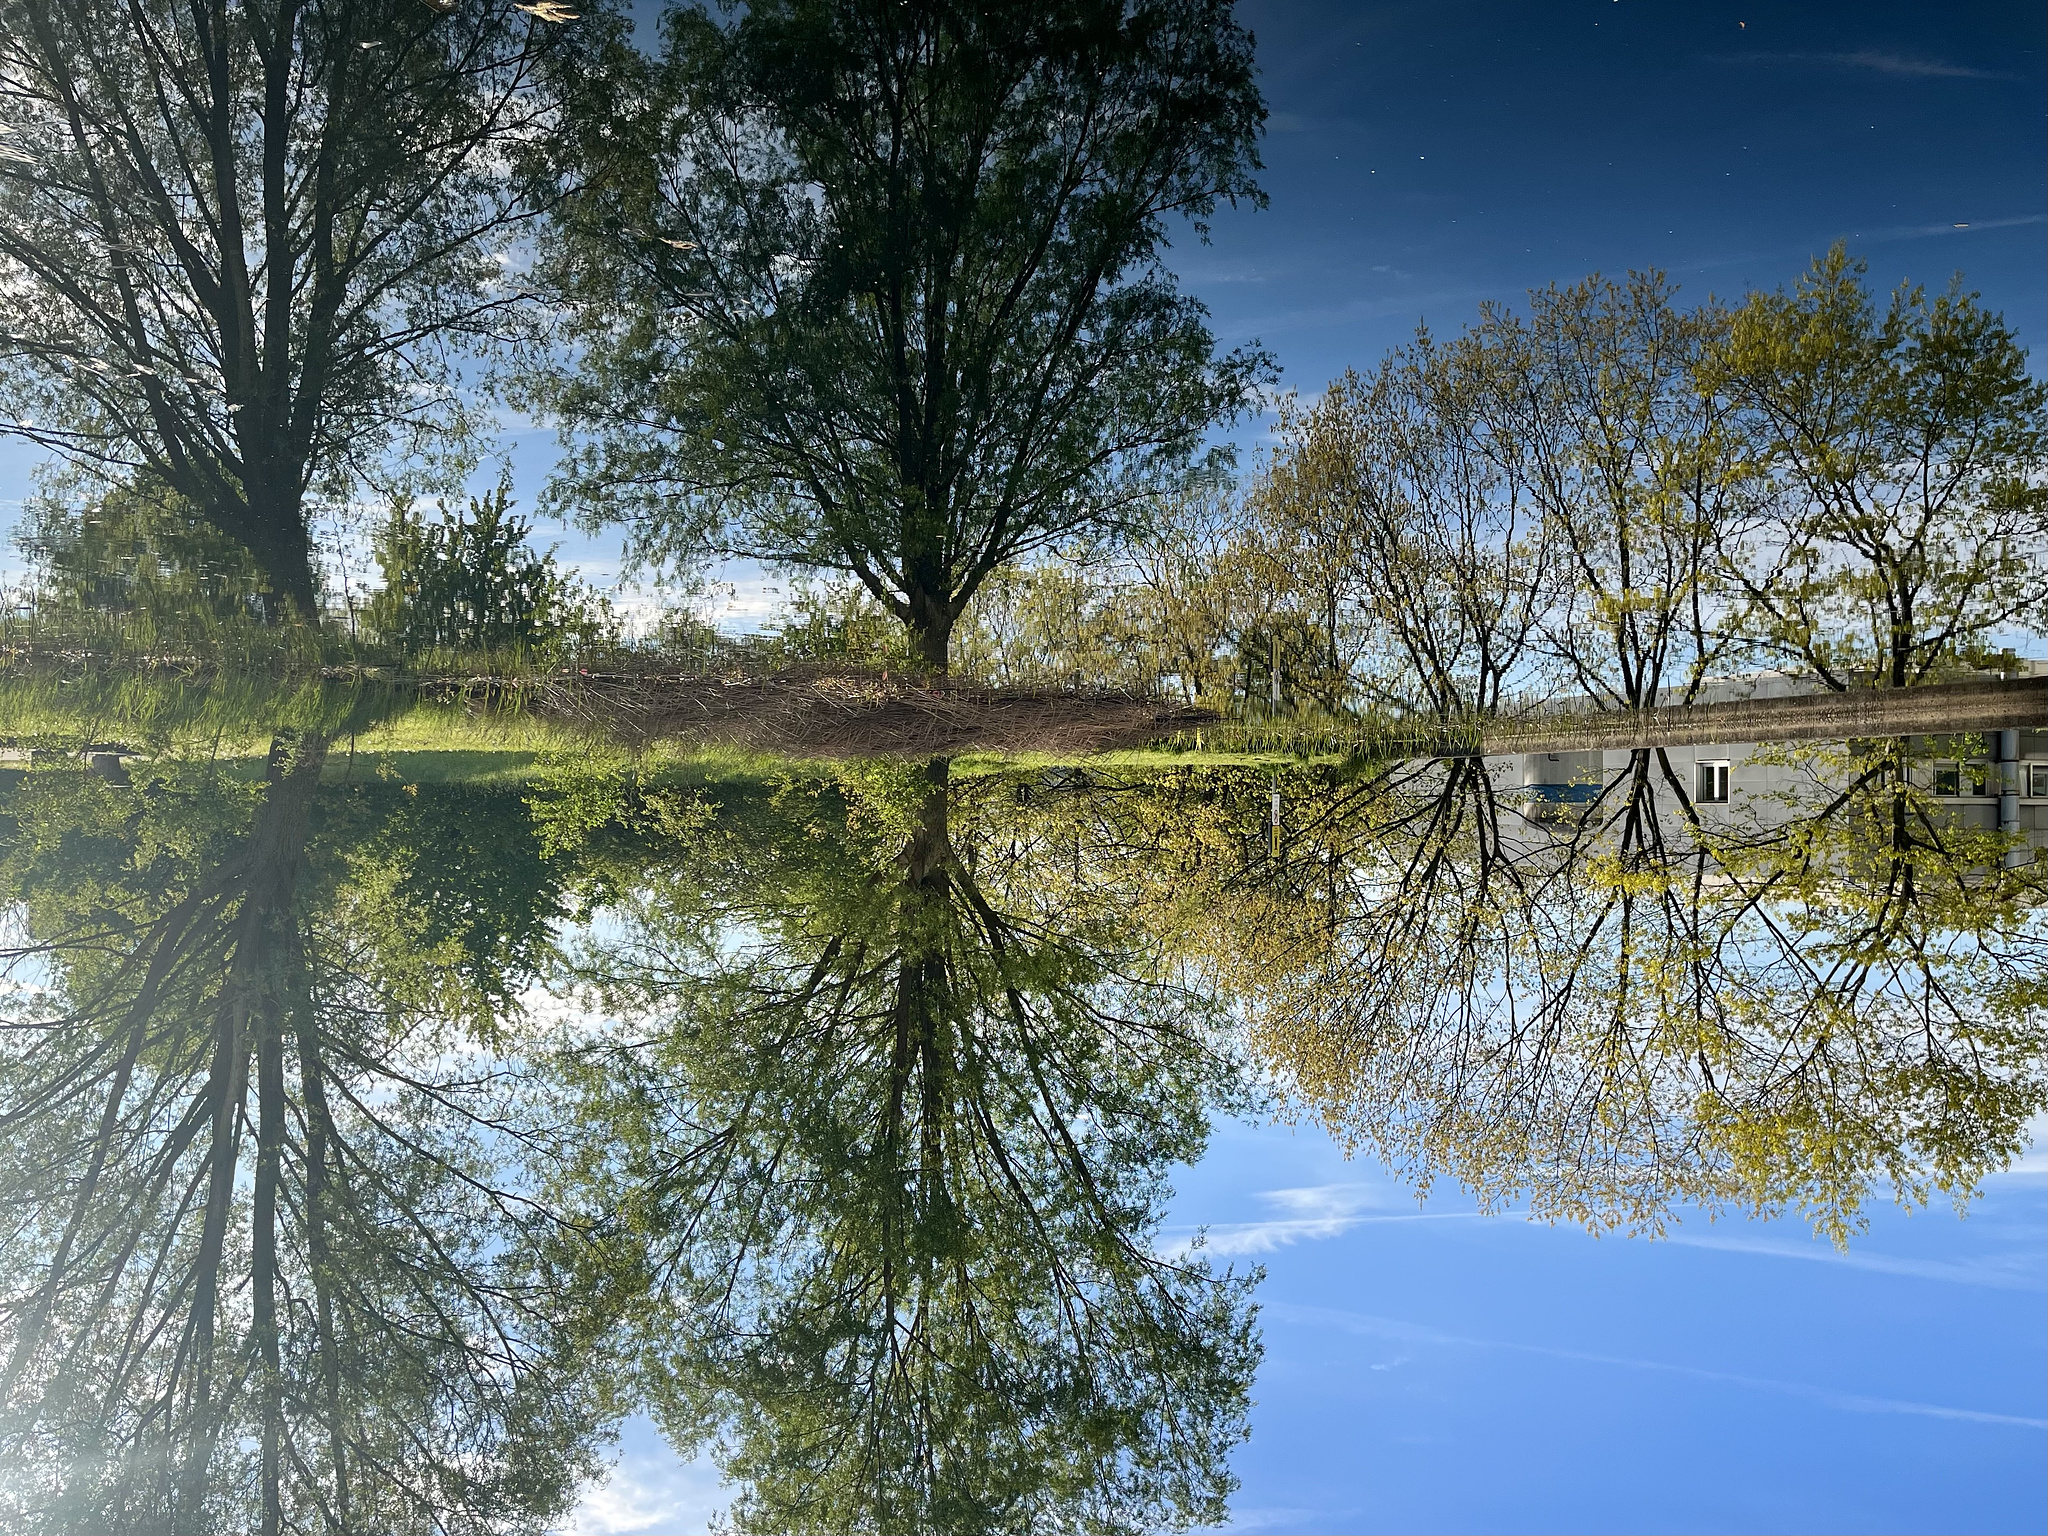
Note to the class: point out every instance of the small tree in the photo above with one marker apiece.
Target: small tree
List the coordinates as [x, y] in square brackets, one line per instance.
[472, 582]
[1391, 493]
[839, 622]
[876, 288]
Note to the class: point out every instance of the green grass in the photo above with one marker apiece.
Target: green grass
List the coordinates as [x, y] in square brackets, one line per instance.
[970, 764]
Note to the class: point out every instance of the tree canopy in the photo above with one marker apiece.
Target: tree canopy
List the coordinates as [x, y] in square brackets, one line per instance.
[880, 1145]
[238, 240]
[877, 288]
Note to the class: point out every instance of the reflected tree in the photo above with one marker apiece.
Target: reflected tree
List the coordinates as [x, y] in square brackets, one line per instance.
[1611, 1007]
[887, 1139]
[264, 1271]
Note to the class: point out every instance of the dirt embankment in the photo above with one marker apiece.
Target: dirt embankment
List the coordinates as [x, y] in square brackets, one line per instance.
[1940, 709]
[826, 714]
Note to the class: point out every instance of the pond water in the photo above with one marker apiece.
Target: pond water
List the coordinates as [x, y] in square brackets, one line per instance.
[476, 1141]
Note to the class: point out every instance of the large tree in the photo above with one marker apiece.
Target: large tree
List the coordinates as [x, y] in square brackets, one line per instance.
[877, 288]
[237, 237]
[1904, 525]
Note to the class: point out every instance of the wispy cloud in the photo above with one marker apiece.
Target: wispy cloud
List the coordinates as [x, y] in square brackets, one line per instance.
[1898, 65]
[1326, 1210]
[1931, 231]
[1997, 1275]
[1903, 64]
[1368, 1326]
[1306, 1215]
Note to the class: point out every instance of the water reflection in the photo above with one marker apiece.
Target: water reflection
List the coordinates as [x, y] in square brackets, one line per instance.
[1619, 997]
[264, 1260]
[887, 1134]
[374, 1134]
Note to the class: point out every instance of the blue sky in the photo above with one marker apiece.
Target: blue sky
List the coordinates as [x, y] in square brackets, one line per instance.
[1424, 157]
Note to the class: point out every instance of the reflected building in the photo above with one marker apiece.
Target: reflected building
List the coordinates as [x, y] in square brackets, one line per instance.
[1995, 782]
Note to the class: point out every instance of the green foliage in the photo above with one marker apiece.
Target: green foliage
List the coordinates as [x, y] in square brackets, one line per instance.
[1906, 521]
[843, 1143]
[880, 291]
[452, 885]
[1189, 607]
[840, 622]
[471, 583]
[58, 703]
[214, 1324]
[142, 555]
[878, 1153]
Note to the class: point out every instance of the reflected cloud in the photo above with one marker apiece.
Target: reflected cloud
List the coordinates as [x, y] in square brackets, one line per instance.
[1313, 1213]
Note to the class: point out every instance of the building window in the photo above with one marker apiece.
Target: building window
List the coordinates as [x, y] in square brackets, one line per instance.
[1948, 779]
[1713, 784]
[1978, 779]
[2037, 773]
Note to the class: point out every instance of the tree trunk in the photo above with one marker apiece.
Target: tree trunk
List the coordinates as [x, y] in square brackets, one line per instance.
[931, 634]
[319, 1136]
[270, 1129]
[283, 547]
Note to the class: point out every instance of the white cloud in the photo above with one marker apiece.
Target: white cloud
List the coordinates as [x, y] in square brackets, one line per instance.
[2001, 1276]
[1308, 1214]
[1902, 64]
[650, 1492]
